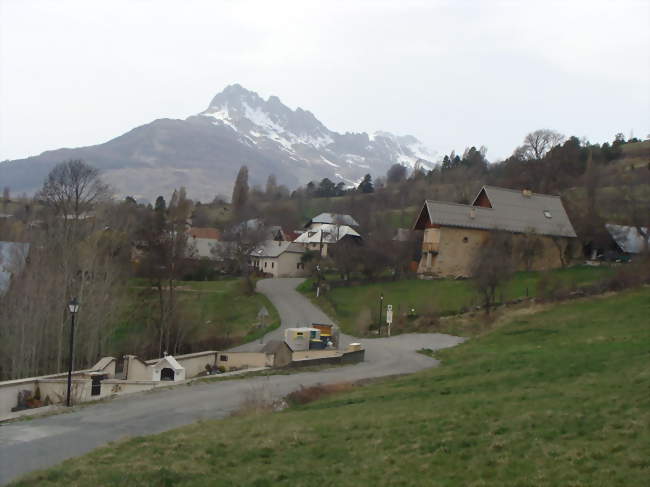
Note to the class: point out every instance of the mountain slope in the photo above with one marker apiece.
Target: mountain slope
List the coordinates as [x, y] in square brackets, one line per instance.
[204, 151]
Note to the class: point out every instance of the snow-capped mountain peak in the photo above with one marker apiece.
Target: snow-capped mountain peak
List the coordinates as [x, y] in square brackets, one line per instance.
[263, 121]
[205, 151]
[298, 135]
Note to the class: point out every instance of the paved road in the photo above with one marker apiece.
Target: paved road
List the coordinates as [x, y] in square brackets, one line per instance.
[41, 443]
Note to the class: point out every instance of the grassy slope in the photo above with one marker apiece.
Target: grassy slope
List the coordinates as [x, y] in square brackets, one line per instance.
[212, 308]
[443, 296]
[555, 398]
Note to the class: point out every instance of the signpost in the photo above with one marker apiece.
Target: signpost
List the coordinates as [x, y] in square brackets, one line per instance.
[389, 316]
[262, 315]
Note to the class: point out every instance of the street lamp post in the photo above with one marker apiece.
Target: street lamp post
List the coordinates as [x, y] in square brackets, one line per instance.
[73, 307]
[381, 307]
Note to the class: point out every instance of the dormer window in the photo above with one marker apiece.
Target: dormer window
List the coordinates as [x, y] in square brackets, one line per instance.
[547, 214]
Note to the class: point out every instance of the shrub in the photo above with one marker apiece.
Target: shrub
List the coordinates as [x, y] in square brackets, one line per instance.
[364, 321]
[305, 395]
[629, 276]
[550, 287]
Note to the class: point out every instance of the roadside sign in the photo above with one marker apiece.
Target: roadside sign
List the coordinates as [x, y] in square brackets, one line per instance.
[389, 314]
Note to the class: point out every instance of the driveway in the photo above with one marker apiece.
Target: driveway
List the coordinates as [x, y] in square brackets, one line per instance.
[43, 442]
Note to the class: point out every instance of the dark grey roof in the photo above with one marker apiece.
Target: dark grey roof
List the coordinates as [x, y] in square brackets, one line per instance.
[333, 218]
[12, 261]
[628, 238]
[511, 211]
[275, 248]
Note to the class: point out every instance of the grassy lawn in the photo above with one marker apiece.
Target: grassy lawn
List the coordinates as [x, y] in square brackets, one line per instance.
[443, 296]
[561, 397]
[210, 309]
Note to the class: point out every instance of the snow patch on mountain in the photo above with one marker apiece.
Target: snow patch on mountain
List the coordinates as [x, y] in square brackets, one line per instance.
[297, 135]
[221, 115]
[327, 161]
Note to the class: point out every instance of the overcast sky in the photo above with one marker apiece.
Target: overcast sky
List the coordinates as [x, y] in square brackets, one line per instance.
[453, 74]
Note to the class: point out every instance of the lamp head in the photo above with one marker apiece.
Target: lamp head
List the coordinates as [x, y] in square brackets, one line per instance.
[73, 305]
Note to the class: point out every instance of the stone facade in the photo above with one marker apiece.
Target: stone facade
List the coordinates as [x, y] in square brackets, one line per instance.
[451, 252]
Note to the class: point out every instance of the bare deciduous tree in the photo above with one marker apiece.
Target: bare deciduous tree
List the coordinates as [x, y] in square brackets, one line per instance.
[632, 199]
[538, 143]
[345, 255]
[239, 241]
[72, 188]
[528, 248]
[493, 266]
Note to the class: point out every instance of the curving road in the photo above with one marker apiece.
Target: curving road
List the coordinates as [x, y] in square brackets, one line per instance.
[43, 442]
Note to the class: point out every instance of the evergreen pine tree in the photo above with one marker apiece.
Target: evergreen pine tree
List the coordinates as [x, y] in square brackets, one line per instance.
[366, 185]
[240, 191]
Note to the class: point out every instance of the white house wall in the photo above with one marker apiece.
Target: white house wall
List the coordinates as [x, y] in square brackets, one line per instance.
[203, 246]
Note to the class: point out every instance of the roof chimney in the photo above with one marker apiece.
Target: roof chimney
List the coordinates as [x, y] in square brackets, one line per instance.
[472, 213]
[527, 193]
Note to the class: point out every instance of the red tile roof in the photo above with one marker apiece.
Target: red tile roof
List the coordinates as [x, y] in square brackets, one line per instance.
[198, 232]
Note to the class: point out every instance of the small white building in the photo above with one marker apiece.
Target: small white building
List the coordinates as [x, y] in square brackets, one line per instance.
[279, 258]
[167, 368]
[202, 240]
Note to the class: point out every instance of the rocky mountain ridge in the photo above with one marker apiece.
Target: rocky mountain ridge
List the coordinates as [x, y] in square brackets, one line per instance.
[204, 151]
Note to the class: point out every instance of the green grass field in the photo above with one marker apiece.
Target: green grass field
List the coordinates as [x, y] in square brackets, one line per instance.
[443, 296]
[559, 397]
[211, 309]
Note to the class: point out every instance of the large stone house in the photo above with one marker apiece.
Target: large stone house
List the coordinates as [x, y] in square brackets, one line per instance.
[454, 233]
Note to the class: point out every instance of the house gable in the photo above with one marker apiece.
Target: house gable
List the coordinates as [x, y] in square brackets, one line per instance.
[482, 199]
[423, 220]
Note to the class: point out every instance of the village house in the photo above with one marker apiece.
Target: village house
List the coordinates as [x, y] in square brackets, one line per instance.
[331, 219]
[328, 229]
[279, 258]
[626, 241]
[454, 233]
[201, 241]
[13, 258]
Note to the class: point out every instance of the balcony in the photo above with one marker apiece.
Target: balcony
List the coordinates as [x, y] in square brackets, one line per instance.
[430, 247]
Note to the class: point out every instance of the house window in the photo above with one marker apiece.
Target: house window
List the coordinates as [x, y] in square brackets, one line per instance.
[272, 265]
[547, 214]
[265, 264]
[465, 239]
[223, 358]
